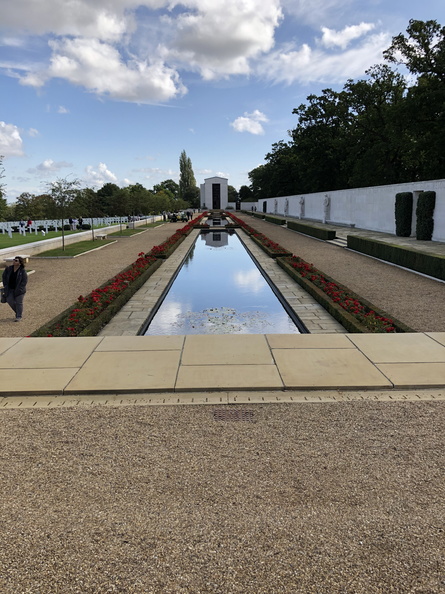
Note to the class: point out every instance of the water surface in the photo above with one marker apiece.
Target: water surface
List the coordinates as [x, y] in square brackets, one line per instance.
[219, 290]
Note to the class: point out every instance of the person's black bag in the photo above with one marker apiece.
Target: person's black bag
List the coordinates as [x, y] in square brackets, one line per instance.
[3, 296]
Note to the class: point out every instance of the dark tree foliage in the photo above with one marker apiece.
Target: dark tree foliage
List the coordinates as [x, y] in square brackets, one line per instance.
[375, 131]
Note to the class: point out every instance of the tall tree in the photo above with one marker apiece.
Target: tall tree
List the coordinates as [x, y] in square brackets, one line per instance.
[3, 203]
[63, 192]
[188, 190]
[168, 185]
[422, 52]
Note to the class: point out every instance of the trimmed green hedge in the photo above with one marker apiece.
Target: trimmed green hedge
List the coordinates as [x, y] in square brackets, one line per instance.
[425, 215]
[276, 220]
[258, 215]
[403, 211]
[408, 258]
[312, 230]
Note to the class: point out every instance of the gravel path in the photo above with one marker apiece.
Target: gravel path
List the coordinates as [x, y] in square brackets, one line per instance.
[308, 499]
[415, 300]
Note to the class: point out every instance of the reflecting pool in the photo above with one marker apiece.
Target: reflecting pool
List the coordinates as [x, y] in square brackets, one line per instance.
[219, 290]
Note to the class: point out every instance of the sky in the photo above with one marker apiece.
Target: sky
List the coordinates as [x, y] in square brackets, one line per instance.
[113, 90]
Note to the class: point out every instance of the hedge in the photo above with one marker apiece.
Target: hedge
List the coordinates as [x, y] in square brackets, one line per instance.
[312, 230]
[403, 211]
[425, 214]
[276, 220]
[429, 264]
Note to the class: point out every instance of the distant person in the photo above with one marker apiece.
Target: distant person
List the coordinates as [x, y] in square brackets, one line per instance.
[80, 222]
[74, 225]
[22, 228]
[28, 225]
[15, 279]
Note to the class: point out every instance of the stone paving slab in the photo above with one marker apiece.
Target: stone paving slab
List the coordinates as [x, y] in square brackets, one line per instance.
[120, 365]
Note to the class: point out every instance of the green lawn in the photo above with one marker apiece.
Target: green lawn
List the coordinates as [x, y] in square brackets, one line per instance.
[74, 249]
[124, 232]
[17, 239]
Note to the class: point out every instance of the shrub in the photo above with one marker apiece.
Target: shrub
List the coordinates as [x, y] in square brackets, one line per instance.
[425, 214]
[429, 264]
[403, 212]
[312, 230]
[67, 227]
[85, 227]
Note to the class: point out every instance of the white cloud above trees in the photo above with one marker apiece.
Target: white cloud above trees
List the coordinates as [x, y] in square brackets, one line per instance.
[250, 122]
[142, 51]
[11, 143]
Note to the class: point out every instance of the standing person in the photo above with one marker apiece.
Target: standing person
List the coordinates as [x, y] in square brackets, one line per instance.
[15, 279]
[28, 225]
[22, 228]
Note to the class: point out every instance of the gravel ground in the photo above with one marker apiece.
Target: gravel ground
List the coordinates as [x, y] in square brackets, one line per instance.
[416, 300]
[56, 283]
[313, 498]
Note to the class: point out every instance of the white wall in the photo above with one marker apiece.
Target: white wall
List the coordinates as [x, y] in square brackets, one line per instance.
[367, 208]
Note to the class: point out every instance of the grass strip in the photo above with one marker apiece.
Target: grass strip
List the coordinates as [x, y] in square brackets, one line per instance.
[75, 249]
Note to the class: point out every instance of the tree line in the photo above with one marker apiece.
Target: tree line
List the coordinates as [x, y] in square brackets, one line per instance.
[109, 200]
[387, 128]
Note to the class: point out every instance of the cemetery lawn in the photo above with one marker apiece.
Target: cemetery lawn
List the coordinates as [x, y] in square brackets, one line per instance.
[75, 249]
[17, 239]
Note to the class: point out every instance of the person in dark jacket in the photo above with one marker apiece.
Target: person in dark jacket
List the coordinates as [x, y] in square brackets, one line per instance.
[15, 279]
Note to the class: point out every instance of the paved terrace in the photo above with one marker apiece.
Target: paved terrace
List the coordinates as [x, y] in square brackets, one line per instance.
[172, 365]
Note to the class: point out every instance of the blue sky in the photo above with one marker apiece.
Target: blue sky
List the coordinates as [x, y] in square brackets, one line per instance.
[114, 90]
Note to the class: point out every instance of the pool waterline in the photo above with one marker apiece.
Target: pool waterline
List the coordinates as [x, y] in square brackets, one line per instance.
[220, 288]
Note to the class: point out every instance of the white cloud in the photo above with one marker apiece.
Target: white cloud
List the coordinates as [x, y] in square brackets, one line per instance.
[104, 19]
[63, 109]
[99, 67]
[343, 38]
[99, 176]
[219, 39]
[250, 122]
[11, 144]
[306, 65]
[49, 167]
[33, 132]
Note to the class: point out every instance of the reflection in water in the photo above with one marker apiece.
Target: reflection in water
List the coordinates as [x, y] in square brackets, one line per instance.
[220, 290]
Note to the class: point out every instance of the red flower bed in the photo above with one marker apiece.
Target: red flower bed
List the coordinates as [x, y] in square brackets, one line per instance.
[365, 315]
[272, 246]
[86, 309]
[161, 250]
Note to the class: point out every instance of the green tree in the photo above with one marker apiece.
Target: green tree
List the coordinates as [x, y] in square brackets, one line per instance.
[232, 194]
[422, 52]
[106, 199]
[188, 190]
[63, 192]
[245, 194]
[169, 186]
[3, 202]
